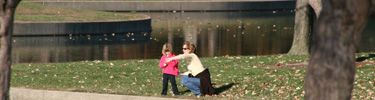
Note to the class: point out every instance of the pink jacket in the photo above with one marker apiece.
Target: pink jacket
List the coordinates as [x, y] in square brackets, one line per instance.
[171, 67]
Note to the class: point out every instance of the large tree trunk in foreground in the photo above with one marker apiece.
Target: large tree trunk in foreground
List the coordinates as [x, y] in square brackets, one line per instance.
[7, 10]
[302, 29]
[330, 73]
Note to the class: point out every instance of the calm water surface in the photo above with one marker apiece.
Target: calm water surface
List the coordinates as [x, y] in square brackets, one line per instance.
[214, 33]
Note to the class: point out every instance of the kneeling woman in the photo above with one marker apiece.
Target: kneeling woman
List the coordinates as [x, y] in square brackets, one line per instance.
[197, 78]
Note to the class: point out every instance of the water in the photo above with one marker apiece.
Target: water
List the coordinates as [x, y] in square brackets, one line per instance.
[215, 33]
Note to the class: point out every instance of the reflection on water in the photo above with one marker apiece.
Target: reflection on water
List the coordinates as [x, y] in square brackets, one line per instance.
[226, 33]
[214, 33]
[79, 48]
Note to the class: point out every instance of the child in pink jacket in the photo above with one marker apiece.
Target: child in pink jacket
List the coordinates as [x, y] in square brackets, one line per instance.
[170, 69]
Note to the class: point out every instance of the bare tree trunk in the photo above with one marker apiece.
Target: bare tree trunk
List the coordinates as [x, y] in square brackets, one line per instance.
[7, 10]
[302, 29]
[330, 73]
[317, 6]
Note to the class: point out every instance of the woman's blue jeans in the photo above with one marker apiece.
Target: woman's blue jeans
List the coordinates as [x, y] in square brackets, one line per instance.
[193, 84]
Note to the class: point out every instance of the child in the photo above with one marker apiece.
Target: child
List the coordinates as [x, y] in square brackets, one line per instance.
[170, 69]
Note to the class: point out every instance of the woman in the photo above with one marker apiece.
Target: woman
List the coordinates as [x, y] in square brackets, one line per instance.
[197, 78]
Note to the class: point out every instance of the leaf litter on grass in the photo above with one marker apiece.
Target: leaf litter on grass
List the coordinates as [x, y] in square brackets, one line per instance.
[242, 77]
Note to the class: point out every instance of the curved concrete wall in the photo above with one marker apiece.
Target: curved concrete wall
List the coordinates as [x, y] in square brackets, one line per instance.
[66, 28]
[175, 5]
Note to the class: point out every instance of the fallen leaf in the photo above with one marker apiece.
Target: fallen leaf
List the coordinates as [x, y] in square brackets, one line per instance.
[278, 63]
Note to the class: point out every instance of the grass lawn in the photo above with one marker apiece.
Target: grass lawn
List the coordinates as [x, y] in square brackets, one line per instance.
[149, 0]
[238, 77]
[31, 12]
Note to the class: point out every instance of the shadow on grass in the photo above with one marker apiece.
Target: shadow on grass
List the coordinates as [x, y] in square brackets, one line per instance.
[217, 90]
[186, 91]
[223, 88]
[360, 59]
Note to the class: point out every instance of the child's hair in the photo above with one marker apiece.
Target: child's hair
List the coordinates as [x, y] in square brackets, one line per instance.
[167, 48]
[190, 46]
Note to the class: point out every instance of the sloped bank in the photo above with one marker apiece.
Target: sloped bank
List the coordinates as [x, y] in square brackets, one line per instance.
[81, 28]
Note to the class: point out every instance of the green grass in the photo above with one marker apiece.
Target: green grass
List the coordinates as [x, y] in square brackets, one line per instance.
[146, 0]
[31, 12]
[233, 77]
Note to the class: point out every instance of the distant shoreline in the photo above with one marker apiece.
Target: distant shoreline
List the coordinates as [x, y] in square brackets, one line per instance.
[104, 27]
[159, 6]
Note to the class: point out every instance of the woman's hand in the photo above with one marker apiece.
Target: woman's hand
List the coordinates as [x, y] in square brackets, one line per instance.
[167, 60]
[164, 65]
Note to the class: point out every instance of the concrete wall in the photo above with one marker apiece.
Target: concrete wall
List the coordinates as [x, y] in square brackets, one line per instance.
[66, 28]
[175, 5]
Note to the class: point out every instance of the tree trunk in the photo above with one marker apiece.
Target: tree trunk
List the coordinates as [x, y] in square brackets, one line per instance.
[317, 6]
[6, 20]
[302, 28]
[330, 73]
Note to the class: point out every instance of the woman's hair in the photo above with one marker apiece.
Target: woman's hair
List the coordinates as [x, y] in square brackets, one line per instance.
[190, 46]
[167, 48]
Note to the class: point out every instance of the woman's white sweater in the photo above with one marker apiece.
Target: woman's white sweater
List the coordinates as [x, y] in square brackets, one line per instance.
[195, 66]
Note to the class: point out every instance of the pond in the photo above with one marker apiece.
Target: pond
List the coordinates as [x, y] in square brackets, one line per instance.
[214, 33]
